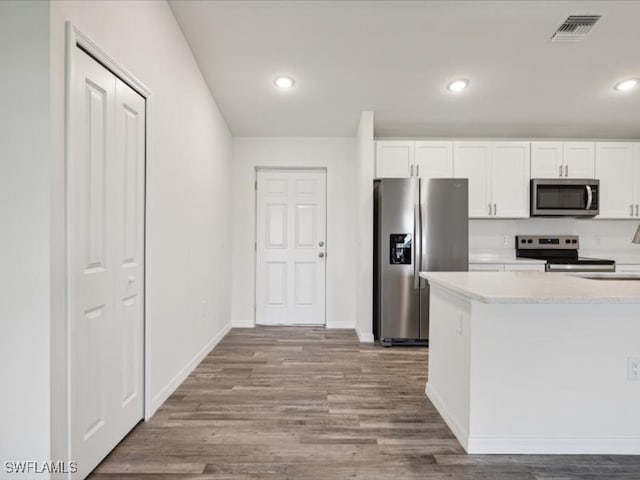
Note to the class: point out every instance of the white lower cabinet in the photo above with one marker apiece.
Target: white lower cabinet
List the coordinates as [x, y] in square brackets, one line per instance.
[486, 267]
[628, 267]
[507, 267]
[523, 267]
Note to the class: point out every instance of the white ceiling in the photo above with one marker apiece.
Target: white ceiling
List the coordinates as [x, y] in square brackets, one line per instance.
[395, 58]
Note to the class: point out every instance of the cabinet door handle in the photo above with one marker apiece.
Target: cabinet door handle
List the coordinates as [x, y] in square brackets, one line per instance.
[566, 170]
[489, 209]
[495, 209]
[637, 210]
[417, 170]
[411, 171]
[560, 168]
[631, 209]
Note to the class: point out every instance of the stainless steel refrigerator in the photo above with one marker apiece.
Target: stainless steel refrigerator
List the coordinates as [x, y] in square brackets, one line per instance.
[419, 225]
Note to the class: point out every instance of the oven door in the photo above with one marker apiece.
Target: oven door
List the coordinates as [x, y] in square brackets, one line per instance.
[565, 197]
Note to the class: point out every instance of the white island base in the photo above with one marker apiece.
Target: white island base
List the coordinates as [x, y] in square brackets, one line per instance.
[533, 363]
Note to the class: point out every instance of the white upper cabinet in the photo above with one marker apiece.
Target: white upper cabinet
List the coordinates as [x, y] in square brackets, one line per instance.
[617, 165]
[433, 159]
[547, 160]
[394, 159]
[498, 174]
[579, 159]
[562, 160]
[471, 160]
[510, 179]
[404, 159]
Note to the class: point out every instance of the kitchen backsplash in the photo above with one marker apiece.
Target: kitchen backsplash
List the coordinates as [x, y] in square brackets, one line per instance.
[613, 236]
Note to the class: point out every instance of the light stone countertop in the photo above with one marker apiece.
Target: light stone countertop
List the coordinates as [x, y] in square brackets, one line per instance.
[535, 287]
[501, 257]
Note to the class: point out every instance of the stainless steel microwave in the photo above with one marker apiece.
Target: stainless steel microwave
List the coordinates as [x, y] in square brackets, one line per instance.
[571, 197]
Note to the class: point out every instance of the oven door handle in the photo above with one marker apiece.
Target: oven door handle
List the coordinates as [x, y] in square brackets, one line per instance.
[571, 267]
[589, 197]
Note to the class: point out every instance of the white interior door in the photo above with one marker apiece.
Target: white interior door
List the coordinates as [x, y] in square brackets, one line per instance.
[106, 261]
[291, 247]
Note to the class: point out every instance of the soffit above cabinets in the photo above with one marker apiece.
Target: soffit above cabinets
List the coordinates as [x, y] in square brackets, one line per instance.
[397, 57]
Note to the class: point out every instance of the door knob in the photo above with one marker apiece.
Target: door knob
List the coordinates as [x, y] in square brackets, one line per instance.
[321, 254]
[321, 243]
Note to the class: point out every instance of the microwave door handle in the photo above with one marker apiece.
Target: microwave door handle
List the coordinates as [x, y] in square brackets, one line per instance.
[589, 197]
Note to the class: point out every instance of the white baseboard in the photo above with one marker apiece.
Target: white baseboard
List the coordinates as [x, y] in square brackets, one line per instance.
[243, 324]
[185, 371]
[553, 445]
[341, 325]
[364, 337]
[461, 433]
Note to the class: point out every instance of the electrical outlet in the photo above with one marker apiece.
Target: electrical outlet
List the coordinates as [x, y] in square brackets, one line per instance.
[633, 368]
[505, 241]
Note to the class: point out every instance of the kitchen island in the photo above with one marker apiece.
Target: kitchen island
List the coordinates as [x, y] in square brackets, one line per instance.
[528, 362]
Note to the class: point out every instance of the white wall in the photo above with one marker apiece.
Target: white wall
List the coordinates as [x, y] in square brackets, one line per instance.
[189, 148]
[597, 237]
[337, 155]
[365, 174]
[24, 227]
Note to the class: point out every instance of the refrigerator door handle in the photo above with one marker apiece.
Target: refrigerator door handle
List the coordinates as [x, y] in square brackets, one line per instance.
[417, 245]
[420, 244]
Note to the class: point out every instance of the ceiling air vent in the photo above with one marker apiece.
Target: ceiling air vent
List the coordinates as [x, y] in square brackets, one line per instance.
[574, 28]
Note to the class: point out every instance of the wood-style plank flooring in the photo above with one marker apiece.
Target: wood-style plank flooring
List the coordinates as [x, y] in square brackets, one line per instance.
[308, 403]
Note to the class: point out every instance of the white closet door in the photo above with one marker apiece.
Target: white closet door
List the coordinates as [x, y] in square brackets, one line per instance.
[291, 247]
[105, 235]
[129, 255]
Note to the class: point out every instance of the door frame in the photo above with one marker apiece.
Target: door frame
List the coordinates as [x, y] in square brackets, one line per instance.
[74, 39]
[256, 169]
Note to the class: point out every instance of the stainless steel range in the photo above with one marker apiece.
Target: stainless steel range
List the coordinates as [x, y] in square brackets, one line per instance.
[561, 254]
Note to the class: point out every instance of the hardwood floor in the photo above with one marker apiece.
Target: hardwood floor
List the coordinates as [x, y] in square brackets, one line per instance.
[309, 403]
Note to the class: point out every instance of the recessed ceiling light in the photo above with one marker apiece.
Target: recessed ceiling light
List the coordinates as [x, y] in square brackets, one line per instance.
[284, 82]
[626, 85]
[458, 85]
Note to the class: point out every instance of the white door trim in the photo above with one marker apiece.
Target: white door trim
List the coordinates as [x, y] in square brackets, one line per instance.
[74, 39]
[255, 227]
